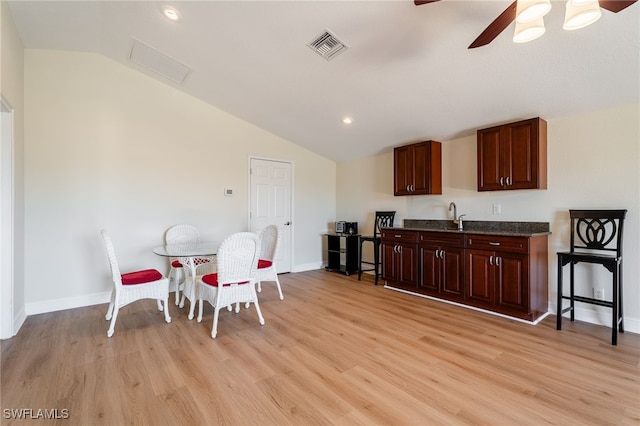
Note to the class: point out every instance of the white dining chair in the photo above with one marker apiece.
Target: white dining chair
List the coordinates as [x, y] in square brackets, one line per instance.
[270, 239]
[234, 283]
[133, 286]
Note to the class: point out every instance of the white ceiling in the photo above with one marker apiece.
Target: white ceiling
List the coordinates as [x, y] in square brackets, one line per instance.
[407, 75]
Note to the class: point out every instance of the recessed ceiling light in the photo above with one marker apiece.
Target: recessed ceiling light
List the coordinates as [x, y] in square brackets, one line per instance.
[347, 120]
[171, 13]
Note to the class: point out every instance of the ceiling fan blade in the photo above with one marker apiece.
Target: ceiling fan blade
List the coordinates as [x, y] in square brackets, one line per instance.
[420, 2]
[616, 6]
[496, 27]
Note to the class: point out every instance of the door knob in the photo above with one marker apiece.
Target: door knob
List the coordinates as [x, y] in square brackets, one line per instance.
[287, 223]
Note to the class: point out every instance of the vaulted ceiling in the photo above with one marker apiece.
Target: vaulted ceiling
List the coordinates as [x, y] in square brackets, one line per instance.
[406, 76]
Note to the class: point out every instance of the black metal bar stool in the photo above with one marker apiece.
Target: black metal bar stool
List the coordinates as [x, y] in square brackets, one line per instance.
[596, 237]
[382, 220]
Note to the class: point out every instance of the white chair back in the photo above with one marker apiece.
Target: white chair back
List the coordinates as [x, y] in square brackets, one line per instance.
[238, 258]
[113, 263]
[270, 242]
[182, 234]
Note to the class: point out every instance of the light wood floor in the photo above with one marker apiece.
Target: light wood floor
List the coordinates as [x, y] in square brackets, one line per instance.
[335, 351]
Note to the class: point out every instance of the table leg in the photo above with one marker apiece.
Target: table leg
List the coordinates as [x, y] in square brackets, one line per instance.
[192, 295]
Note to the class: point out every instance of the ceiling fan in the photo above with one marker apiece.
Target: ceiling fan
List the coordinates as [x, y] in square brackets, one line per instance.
[509, 15]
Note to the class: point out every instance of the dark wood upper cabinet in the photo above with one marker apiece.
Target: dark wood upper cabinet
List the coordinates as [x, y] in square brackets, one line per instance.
[418, 169]
[513, 156]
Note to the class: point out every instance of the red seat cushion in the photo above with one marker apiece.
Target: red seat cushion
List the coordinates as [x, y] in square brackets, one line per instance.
[264, 263]
[141, 277]
[212, 280]
[176, 264]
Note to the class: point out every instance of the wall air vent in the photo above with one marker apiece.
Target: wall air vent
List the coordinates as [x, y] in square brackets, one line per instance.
[327, 45]
[158, 62]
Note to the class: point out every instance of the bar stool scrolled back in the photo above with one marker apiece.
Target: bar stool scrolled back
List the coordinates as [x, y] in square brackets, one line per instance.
[596, 237]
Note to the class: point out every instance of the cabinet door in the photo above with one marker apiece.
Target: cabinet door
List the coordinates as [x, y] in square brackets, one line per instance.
[480, 276]
[389, 261]
[407, 270]
[403, 170]
[429, 279]
[512, 281]
[452, 273]
[490, 163]
[521, 155]
[513, 156]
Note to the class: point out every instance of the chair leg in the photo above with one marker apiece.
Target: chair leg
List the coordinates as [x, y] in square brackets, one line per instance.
[376, 259]
[279, 288]
[359, 261]
[257, 305]
[112, 325]
[112, 302]
[614, 326]
[571, 293]
[559, 305]
[160, 307]
[214, 329]
[192, 300]
[167, 317]
[200, 303]
[620, 304]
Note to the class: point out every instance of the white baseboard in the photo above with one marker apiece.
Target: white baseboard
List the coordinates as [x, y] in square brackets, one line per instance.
[601, 316]
[19, 318]
[61, 304]
[307, 267]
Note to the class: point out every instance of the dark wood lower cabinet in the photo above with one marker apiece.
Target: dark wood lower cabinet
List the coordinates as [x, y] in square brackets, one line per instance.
[441, 265]
[498, 281]
[503, 274]
[399, 257]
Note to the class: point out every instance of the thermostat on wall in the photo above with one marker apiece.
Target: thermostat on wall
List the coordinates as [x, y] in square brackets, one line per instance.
[228, 192]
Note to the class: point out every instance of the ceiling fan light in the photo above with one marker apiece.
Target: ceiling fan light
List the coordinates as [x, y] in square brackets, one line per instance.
[530, 10]
[528, 31]
[579, 15]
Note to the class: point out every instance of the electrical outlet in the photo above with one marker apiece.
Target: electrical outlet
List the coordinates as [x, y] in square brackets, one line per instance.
[497, 208]
[598, 293]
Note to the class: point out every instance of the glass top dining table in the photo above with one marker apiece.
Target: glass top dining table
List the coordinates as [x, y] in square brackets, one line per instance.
[187, 250]
[191, 255]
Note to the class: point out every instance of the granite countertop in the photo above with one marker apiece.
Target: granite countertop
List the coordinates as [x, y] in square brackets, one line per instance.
[517, 229]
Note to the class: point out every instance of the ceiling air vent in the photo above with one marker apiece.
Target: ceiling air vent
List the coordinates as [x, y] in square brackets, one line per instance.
[158, 62]
[327, 45]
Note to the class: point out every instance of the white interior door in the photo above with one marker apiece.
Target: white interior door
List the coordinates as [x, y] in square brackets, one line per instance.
[6, 220]
[270, 194]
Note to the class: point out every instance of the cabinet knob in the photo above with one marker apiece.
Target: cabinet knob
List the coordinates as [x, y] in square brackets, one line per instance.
[501, 181]
[498, 261]
[508, 180]
[491, 260]
[491, 243]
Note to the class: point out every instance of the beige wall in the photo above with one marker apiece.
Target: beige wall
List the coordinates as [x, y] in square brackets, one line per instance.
[109, 147]
[12, 89]
[593, 163]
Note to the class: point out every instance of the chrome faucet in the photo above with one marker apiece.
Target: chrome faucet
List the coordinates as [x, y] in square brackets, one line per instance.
[452, 205]
[457, 220]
